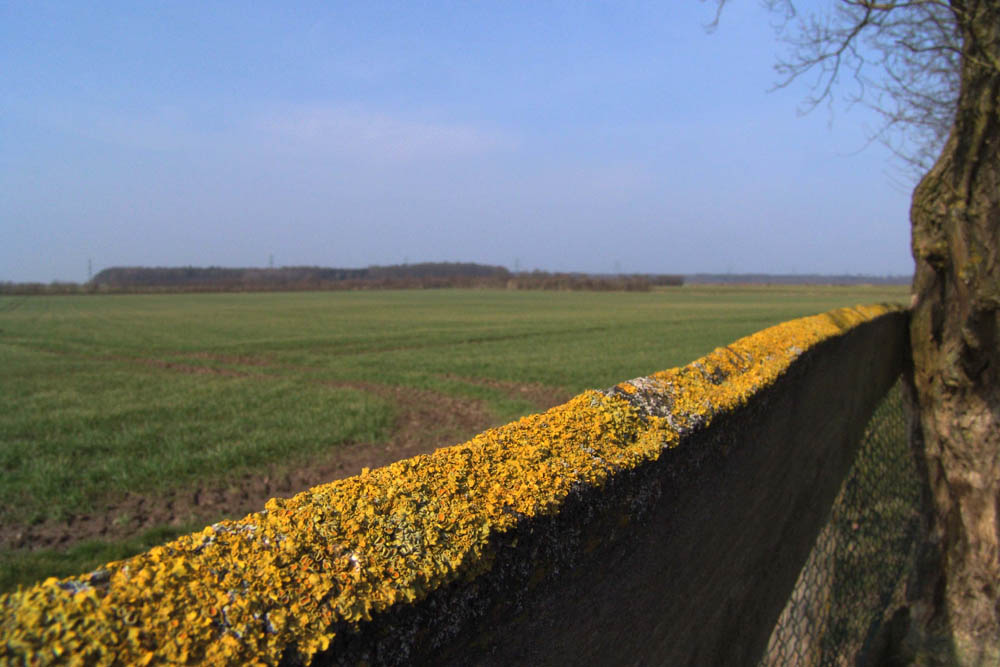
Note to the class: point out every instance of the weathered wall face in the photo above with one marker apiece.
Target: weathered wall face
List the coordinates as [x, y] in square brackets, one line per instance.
[737, 508]
[661, 522]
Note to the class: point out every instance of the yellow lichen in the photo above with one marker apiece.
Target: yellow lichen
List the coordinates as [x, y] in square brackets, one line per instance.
[627, 387]
[240, 592]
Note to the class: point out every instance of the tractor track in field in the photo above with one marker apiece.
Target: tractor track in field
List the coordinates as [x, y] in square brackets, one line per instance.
[426, 420]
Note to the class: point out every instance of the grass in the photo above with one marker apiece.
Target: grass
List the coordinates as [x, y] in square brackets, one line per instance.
[24, 567]
[862, 556]
[106, 395]
[75, 429]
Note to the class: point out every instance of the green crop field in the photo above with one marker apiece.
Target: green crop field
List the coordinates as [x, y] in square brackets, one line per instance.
[129, 419]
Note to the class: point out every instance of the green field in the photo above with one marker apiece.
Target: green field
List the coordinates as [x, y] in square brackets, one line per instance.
[140, 401]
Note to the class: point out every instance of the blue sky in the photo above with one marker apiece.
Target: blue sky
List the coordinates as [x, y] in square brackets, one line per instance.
[579, 136]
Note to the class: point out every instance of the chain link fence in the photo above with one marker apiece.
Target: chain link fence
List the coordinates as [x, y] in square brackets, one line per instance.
[857, 568]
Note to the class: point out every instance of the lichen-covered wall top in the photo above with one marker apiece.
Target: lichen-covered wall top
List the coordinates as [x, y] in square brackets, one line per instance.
[242, 592]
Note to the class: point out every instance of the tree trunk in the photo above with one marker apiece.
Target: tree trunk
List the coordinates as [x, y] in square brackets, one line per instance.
[955, 333]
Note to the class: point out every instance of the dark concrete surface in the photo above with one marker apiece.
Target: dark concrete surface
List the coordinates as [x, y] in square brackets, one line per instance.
[687, 560]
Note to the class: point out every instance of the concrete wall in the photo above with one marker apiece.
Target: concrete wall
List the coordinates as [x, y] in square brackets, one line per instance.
[663, 521]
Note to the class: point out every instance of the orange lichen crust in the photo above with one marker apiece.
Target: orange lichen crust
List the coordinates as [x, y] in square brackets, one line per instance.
[280, 580]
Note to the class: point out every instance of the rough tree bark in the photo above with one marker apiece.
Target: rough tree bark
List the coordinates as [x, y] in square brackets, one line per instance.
[937, 64]
[955, 334]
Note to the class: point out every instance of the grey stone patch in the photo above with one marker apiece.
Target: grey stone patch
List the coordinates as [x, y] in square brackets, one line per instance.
[655, 398]
[652, 398]
[74, 587]
[716, 377]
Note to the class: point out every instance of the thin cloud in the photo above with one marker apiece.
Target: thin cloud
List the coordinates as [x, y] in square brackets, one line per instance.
[164, 128]
[376, 137]
[308, 131]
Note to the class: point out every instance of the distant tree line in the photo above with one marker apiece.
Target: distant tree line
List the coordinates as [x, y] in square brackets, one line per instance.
[290, 276]
[56, 287]
[427, 275]
[795, 279]
[543, 280]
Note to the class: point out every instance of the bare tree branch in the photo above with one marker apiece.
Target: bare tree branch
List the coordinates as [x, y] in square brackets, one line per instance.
[903, 59]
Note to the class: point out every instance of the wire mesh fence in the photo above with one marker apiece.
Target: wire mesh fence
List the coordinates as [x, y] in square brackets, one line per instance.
[860, 560]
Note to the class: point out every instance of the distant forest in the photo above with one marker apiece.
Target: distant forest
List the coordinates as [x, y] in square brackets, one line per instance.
[297, 277]
[428, 275]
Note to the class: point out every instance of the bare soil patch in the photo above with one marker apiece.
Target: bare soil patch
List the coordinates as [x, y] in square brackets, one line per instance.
[426, 420]
[234, 359]
[189, 369]
[542, 396]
